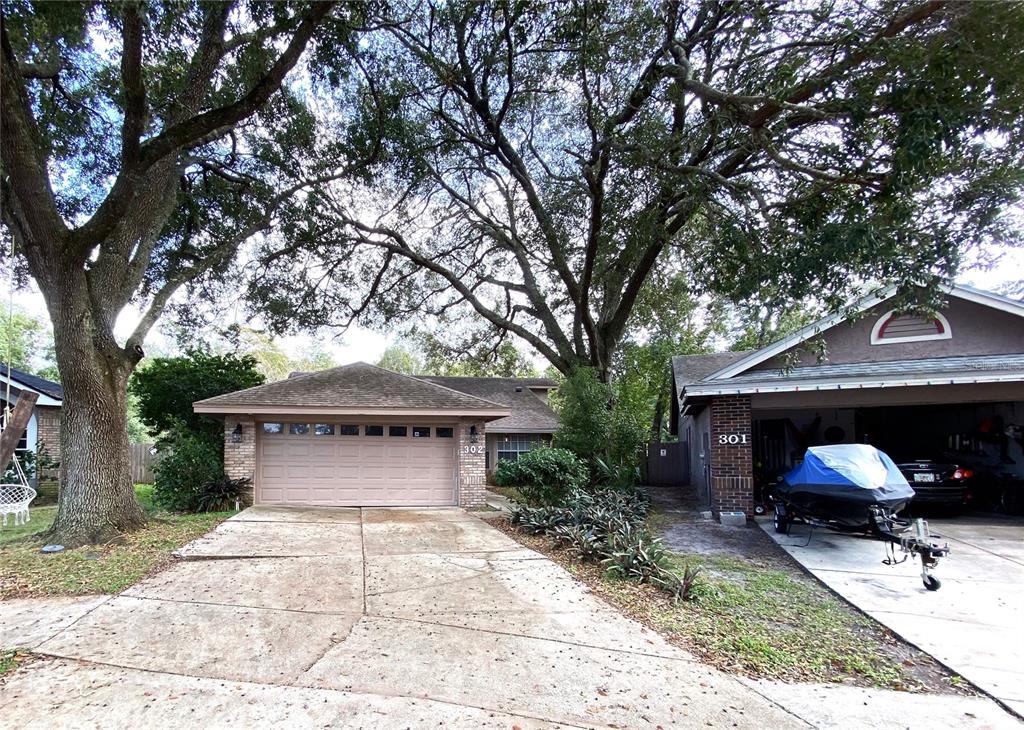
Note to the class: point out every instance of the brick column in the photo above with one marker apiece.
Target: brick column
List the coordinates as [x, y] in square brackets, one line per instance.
[732, 455]
[240, 457]
[471, 465]
[48, 439]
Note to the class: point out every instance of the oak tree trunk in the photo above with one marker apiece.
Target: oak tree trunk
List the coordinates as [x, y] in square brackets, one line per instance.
[97, 498]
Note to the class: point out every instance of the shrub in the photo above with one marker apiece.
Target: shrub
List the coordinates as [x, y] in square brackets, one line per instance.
[188, 462]
[221, 494]
[32, 463]
[544, 476]
[607, 526]
[617, 476]
[585, 417]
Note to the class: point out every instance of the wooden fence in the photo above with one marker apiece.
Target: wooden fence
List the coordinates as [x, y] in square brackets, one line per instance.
[667, 464]
[142, 463]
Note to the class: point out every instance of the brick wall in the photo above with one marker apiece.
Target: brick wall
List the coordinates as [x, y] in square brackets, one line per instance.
[48, 438]
[471, 466]
[240, 458]
[732, 464]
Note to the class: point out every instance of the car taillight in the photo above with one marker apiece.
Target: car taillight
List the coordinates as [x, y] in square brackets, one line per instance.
[963, 474]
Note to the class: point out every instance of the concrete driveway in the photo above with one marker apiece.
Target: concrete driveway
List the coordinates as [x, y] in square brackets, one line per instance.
[389, 618]
[974, 623]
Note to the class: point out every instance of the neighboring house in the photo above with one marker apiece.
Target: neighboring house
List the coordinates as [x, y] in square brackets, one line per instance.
[43, 430]
[362, 435]
[910, 385]
[531, 424]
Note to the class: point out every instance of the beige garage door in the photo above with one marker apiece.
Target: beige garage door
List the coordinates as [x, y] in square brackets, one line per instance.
[346, 464]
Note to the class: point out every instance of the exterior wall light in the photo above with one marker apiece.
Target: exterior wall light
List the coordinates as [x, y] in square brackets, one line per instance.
[472, 434]
[236, 435]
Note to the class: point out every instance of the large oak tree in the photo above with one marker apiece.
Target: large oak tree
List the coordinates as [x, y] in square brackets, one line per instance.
[551, 156]
[142, 144]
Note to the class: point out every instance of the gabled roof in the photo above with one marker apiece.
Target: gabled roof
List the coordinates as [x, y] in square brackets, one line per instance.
[698, 376]
[958, 291]
[529, 413]
[33, 382]
[688, 369]
[352, 389]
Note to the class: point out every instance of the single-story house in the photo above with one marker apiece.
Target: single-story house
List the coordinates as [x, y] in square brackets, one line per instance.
[360, 435]
[912, 386]
[43, 430]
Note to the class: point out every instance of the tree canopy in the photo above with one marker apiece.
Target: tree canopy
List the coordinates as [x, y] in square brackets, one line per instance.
[550, 159]
[143, 144]
[168, 386]
[27, 344]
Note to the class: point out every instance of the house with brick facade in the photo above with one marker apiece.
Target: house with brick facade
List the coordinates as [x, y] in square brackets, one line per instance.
[43, 431]
[948, 385]
[360, 435]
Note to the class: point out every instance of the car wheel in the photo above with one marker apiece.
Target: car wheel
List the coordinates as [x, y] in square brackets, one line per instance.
[932, 583]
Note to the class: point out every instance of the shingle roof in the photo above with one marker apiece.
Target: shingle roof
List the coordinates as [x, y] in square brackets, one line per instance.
[47, 387]
[351, 387]
[936, 370]
[694, 368]
[529, 412]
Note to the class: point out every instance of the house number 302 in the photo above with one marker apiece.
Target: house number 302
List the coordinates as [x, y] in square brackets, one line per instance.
[473, 449]
[733, 438]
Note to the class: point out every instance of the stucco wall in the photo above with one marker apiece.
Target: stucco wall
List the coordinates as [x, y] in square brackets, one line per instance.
[693, 430]
[976, 330]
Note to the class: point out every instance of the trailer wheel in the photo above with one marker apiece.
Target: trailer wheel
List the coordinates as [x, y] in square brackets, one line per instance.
[932, 583]
[781, 520]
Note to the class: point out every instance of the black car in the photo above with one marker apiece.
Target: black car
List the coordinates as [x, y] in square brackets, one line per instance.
[938, 484]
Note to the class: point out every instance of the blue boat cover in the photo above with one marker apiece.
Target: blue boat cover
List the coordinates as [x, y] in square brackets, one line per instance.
[850, 465]
[837, 484]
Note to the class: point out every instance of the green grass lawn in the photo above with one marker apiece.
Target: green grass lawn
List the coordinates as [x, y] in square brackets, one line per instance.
[110, 568]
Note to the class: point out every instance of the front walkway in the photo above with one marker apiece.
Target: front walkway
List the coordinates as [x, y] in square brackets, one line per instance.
[388, 618]
[973, 624]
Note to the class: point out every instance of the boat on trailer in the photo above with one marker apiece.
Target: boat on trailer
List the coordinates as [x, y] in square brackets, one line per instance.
[856, 488]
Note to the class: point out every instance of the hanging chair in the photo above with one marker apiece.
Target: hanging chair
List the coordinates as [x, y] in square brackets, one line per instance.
[15, 498]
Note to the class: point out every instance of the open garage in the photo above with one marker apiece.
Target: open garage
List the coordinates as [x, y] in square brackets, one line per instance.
[945, 387]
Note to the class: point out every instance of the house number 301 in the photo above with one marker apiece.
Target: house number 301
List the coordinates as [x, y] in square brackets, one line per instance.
[473, 449]
[733, 438]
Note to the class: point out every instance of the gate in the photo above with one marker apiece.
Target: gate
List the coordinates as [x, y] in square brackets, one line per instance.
[667, 464]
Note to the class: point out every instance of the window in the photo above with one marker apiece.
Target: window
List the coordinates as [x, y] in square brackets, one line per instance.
[515, 444]
[421, 432]
[444, 432]
[893, 327]
[373, 431]
[348, 430]
[400, 431]
[323, 429]
[298, 429]
[273, 428]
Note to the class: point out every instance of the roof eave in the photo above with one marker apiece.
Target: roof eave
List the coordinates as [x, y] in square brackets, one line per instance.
[932, 379]
[45, 399]
[282, 410]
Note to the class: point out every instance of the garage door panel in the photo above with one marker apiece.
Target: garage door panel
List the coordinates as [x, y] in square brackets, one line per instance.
[272, 449]
[321, 450]
[355, 470]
